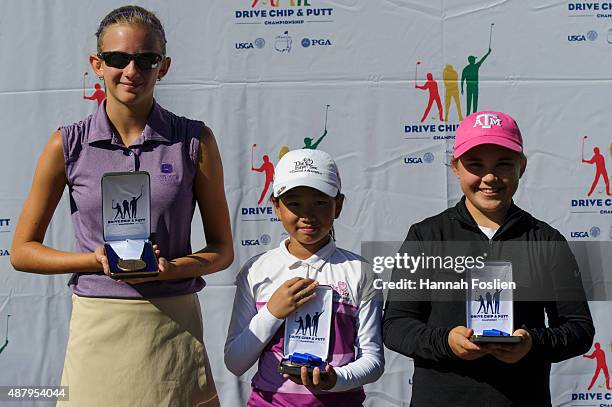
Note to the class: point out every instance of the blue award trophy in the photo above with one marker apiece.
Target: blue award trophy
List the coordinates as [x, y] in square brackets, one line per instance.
[307, 334]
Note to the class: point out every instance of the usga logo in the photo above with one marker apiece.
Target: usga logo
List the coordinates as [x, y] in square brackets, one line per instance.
[427, 158]
[307, 42]
[594, 232]
[591, 36]
[4, 252]
[244, 45]
[264, 239]
[259, 43]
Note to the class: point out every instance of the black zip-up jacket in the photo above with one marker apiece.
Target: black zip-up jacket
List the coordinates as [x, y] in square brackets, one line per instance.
[419, 329]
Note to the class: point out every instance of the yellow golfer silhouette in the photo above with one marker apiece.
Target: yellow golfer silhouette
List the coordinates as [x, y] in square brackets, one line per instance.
[451, 90]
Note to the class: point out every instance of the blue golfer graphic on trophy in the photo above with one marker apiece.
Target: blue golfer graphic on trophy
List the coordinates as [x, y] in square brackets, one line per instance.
[308, 324]
[308, 331]
[491, 304]
[126, 208]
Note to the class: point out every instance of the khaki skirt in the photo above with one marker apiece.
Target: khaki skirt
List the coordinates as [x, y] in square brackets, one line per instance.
[137, 353]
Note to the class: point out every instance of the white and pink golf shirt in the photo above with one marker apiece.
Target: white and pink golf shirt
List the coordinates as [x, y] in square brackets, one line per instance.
[356, 350]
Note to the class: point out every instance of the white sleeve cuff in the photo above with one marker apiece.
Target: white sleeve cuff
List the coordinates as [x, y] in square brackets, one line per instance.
[342, 382]
[264, 325]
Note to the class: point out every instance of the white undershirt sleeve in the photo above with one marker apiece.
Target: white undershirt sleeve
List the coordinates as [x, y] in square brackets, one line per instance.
[249, 330]
[370, 361]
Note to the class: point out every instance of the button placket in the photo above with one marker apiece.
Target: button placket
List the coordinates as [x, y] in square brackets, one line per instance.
[132, 163]
[307, 270]
[136, 156]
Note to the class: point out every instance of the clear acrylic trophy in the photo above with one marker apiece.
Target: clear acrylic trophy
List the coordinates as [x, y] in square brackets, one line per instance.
[307, 334]
[126, 217]
[489, 303]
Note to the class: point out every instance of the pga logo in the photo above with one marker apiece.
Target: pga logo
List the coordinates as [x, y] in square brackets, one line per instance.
[308, 42]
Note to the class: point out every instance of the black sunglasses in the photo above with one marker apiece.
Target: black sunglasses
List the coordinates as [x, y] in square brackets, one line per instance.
[144, 60]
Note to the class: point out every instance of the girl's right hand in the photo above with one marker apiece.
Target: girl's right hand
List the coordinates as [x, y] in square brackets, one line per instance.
[462, 347]
[291, 295]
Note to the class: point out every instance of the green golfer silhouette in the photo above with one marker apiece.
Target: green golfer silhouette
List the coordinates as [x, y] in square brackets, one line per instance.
[470, 76]
[308, 144]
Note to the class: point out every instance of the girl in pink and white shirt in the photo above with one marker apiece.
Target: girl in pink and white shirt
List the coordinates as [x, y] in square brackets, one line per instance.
[273, 285]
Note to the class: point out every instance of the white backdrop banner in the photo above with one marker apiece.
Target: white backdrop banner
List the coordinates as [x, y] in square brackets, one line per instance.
[377, 84]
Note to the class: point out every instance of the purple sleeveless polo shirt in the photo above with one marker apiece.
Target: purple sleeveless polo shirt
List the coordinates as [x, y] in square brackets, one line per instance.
[168, 150]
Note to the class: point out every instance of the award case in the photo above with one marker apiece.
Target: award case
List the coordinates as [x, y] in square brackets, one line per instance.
[126, 217]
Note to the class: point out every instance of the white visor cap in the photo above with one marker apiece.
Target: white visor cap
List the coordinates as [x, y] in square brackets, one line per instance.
[306, 168]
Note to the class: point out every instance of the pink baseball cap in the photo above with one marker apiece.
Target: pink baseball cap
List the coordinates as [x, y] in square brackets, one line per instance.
[487, 127]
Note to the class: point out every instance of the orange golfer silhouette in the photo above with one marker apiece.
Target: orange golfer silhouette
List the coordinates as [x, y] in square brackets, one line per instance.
[268, 168]
[600, 170]
[434, 96]
[98, 94]
[600, 357]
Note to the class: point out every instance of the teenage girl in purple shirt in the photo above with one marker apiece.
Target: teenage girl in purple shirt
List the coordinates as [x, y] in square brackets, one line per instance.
[137, 342]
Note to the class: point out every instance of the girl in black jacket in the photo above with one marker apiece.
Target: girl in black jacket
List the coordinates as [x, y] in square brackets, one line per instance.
[431, 327]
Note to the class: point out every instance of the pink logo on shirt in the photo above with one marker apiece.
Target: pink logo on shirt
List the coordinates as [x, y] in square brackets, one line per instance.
[340, 290]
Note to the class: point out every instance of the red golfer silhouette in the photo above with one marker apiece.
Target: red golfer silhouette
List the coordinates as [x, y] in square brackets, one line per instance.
[268, 168]
[434, 96]
[273, 3]
[98, 94]
[600, 356]
[600, 170]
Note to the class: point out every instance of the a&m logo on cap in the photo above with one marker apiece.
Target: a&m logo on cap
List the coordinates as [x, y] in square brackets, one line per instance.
[487, 120]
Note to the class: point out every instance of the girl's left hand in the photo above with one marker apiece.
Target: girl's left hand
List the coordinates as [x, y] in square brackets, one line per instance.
[323, 382]
[512, 353]
[163, 266]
